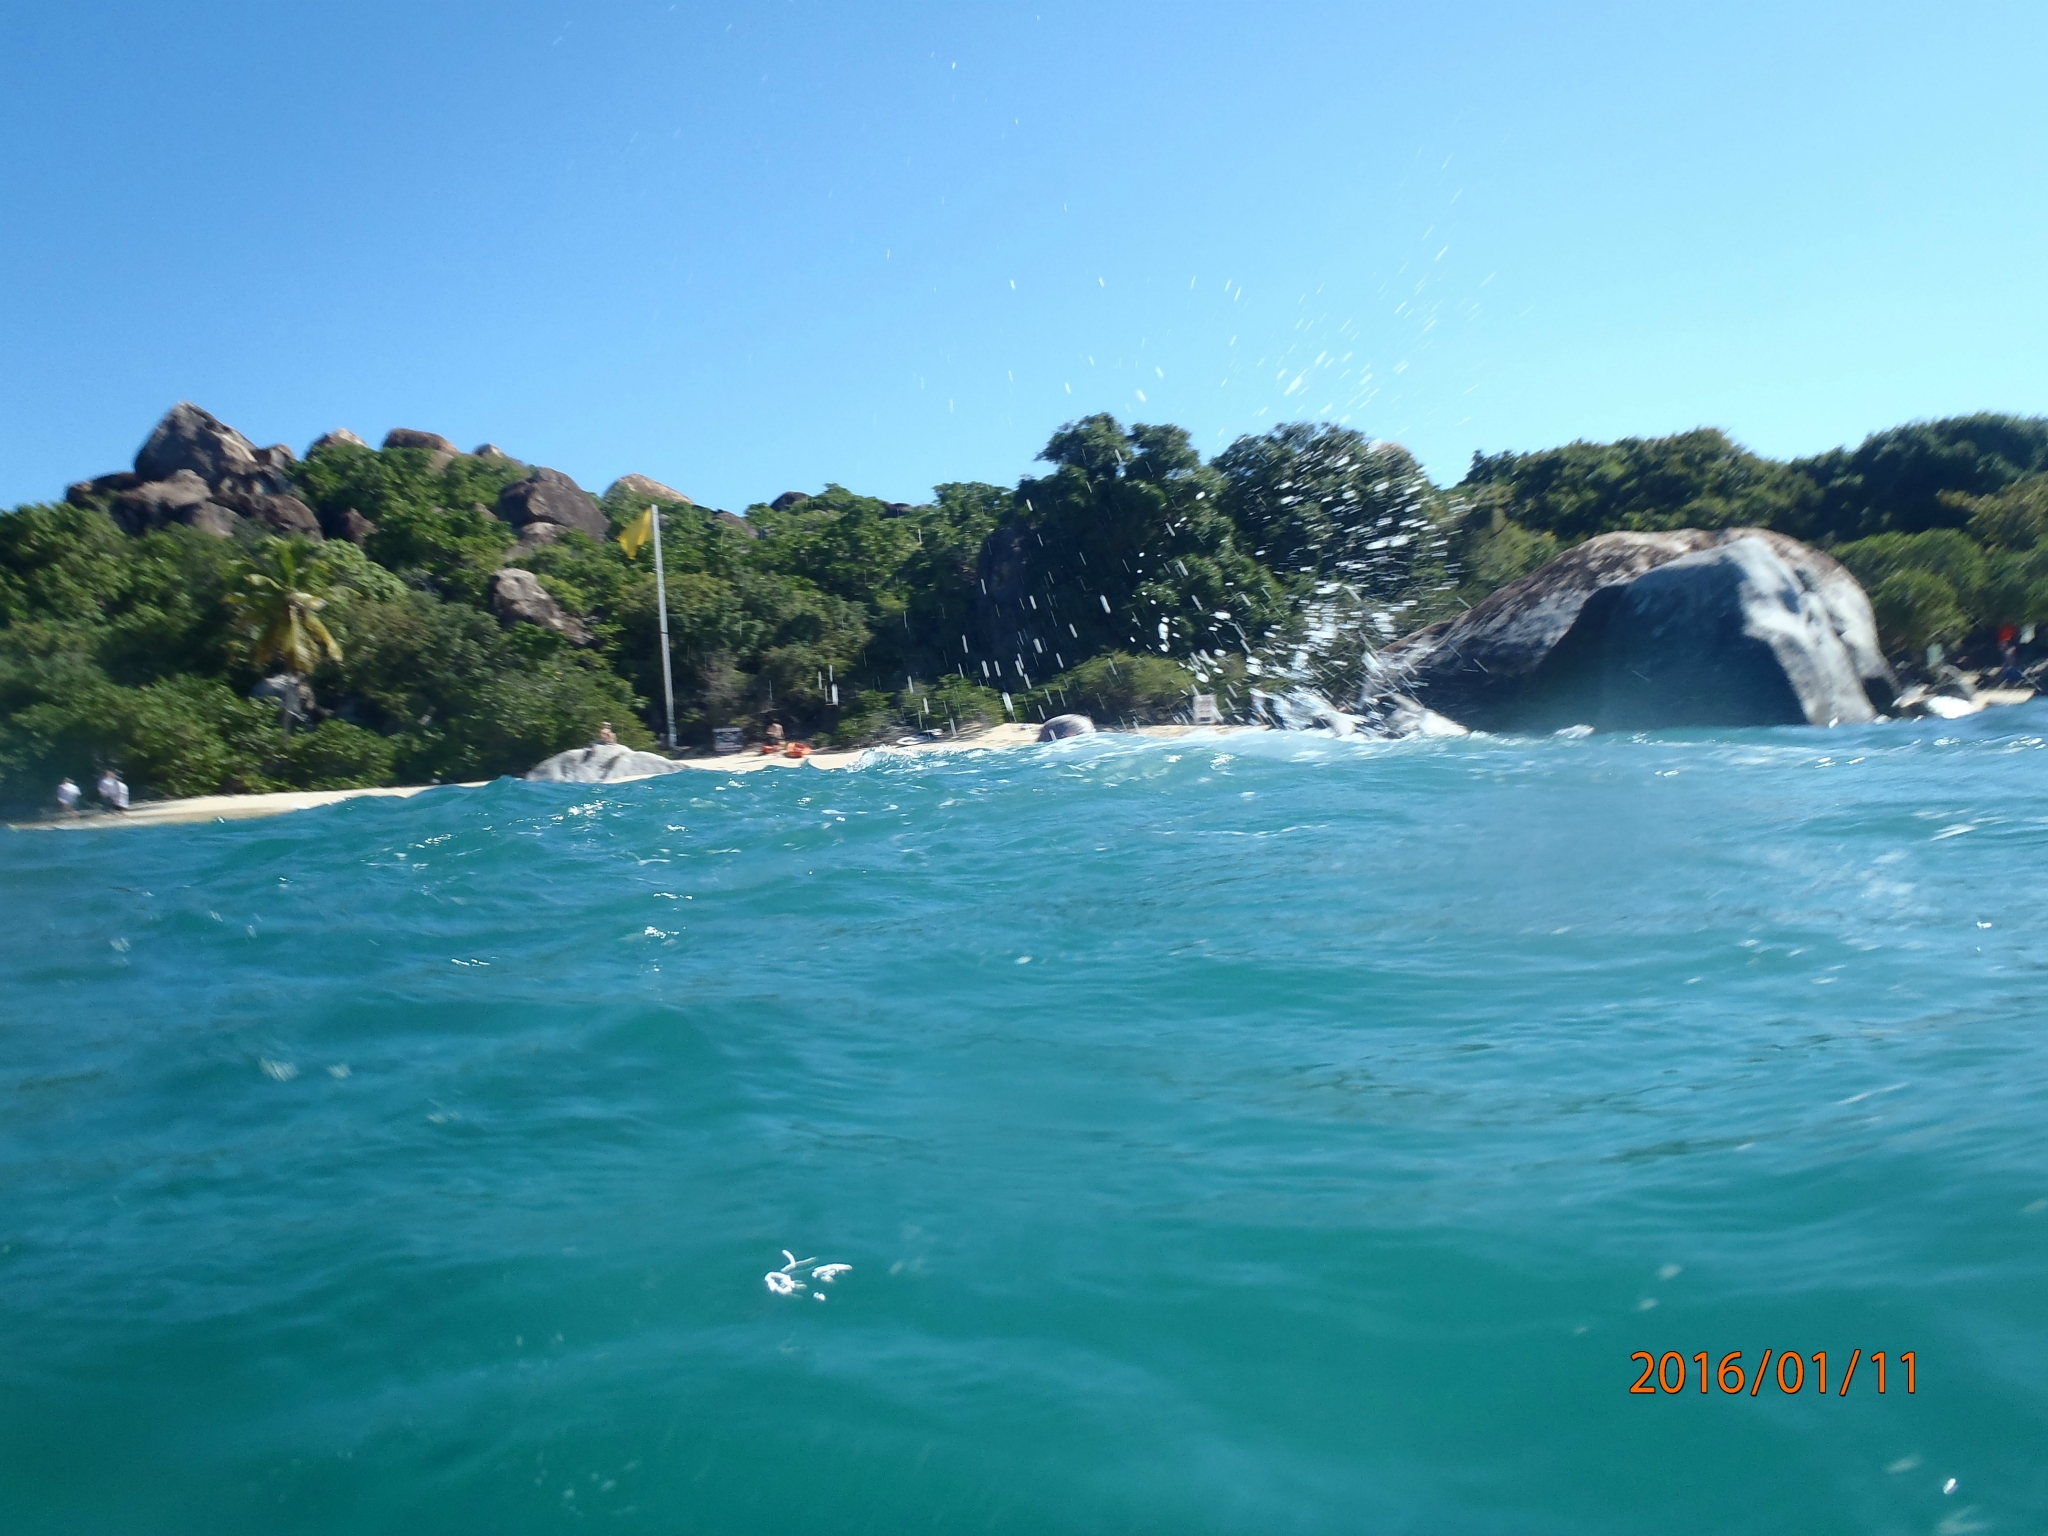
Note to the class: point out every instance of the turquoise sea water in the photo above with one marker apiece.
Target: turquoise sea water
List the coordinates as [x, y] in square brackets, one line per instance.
[1260, 1134]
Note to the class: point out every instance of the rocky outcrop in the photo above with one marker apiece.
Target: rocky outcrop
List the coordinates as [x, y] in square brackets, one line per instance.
[651, 490]
[355, 527]
[606, 763]
[280, 514]
[189, 438]
[789, 499]
[90, 493]
[734, 521]
[490, 451]
[340, 437]
[177, 498]
[1639, 630]
[549, 496]
[211, 517]
[1726, 636]
[197, 470]
[407, 437]
[517, 597]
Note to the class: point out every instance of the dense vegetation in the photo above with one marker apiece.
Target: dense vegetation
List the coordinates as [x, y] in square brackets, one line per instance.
[1126, 575]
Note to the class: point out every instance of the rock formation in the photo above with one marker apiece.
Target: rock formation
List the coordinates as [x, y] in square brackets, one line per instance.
[789, 499]
[407, 437]
[517, 597]
[605, 763]
[280, 513]
[549, 496]
[1633, 631]
[190, 438]
[443, 451]
[652, 490]
[90, 493]
[176, 498]
[340, 437]
[197, 470]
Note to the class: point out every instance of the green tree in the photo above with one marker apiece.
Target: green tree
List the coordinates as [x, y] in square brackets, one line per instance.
[1698, 479]
[279, 613]
[1119, 687]
[1916, 608]
[1909, 479]
[1124, 544]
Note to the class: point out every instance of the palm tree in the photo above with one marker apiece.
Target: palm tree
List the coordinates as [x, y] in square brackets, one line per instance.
[281, 614]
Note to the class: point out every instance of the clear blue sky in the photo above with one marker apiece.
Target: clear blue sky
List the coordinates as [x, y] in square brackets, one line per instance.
[752, 248]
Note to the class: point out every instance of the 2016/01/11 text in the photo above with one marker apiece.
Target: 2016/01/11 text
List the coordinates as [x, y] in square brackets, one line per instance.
[1672, 1372]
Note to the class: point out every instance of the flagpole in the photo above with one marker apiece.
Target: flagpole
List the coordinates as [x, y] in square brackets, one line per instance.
[668, 687]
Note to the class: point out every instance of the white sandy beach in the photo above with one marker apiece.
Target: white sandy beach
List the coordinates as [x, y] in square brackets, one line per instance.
[156, 813]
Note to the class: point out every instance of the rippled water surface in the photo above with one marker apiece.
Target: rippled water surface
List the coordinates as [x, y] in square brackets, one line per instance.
[1228, 1134]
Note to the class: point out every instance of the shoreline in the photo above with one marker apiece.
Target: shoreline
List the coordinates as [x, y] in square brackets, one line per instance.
[998, 738]
[204, 808]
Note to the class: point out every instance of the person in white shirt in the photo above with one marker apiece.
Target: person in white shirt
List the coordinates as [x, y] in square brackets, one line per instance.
[112, 790]
[67, 797]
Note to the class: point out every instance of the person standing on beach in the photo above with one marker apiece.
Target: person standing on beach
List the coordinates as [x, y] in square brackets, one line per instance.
[112, 790]
[67, 797]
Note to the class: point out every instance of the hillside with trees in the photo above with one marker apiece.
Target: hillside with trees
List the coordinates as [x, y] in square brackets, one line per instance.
[229, 618]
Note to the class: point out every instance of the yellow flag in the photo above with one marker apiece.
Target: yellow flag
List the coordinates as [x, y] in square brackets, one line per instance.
[637, 533]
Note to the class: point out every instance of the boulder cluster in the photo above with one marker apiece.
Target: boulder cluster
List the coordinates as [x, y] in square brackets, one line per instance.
[197, 470]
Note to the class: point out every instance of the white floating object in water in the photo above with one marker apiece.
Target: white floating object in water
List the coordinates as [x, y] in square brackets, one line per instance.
[783, 1281]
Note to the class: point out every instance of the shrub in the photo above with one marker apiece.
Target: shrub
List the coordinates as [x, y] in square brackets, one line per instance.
[1117, 687]
[337, 755]
[1916, 608]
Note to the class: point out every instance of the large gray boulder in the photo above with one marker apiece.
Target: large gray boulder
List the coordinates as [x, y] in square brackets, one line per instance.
[409, 437]
[549, 496]
[651, 490]
[340, 437]
[1726, 636]
[603, 763]
[90, 493]
[280, 514]
[181, 497]
[1533, 655]
[190, 438]
[1066, 727]
[517, 597]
